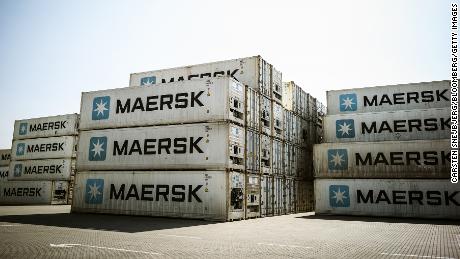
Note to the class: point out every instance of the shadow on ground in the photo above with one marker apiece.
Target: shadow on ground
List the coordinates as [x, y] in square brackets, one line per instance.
[119, 223]
[383, 219]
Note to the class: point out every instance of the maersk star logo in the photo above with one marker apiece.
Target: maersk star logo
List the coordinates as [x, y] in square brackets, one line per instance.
[150, 80]
[101, 108]
[97, 148]
[345, 128]
[348, 102]
[20, 149]
[339, 196]
[337, 159]
[23, 128]
[17, 170]
[94, 191]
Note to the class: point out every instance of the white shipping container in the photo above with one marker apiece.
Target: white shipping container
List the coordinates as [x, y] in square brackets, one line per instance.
[205, 100]
[426, 95]
[278, 121]
[391, 198]
[41, 169]
[42, 148]
[4, 173]
[389, 159]
[53, 126]
[26, 192]
[211, 195]
[266, 195]
[188, 146]
[252, 195]
[251, 71]
[388, 126]
[5, 157]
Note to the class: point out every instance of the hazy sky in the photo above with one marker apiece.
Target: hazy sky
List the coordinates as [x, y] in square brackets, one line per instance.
[51, 51]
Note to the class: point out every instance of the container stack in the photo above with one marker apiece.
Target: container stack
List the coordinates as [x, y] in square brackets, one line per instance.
[5, 156]
[387, 153]
[42, 163]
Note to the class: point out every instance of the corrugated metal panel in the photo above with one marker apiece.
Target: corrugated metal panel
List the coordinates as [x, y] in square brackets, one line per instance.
[60, 192]
[4, 173]
[395, 198]
[41, 169]
[53, 126]
[278, 121]
[289, 125]
[278, 157]
[277, 85]
[205, 100]
[5, 156]
[266, 115]
[252, 195]
[26, 192]
[42, 148]
[399, 159]
[252, 151]
[289, 161]
[388, 126]
[251, 71]
[390, 98]
[278, 200]
[289, 195]
[252, 109]
[214, 195]
[267, 195]
[304, 196]
[188, 146]
[266, 154]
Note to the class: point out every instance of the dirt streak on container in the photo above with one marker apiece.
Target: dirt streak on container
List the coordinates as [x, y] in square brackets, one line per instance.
[251, 71]
[389, 159]
[53, 126]
[5, 157]
[41, 169]
[4, 173]
[42, 148]
[426, 198]
[388, 126]
[266, 195]
[212, 195]
[252, 195]
[33, 192]
[205, 100]
[188, 146]
[426, 95]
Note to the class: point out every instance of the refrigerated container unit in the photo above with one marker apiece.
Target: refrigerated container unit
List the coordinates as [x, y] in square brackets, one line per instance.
[277, 86]
[5, 157]
[289, 126]
[209, 195]
[266, 195]
[277, 121]
[266, 116]
[252, 151]
[253, 201]
[266, 155]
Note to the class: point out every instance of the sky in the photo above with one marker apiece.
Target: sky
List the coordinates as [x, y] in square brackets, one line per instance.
[51, 51]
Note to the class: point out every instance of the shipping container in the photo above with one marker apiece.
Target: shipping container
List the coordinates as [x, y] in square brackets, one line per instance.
[266, 154]
[252, 195]
[289, 195]
[289, 161]
[266, 116]
[251, 71]
[304, 200]
[425, 95]
[277, 121]
[277, 157]
[43, 148]
[252, 151]
[289, 126]
[295, 99]
[33, 192]
[189, 146]
[42, 169]
[426, 198]
[205, 100]
[4, 173]
[277, 86]
[388, 126]
[278, 199]
[304, 163]
[252, 109]
[211, 195]
[266, 195]
[5, 157]
[389, 159]
[53, 126]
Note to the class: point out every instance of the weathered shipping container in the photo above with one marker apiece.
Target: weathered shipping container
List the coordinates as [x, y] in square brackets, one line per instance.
[5, 157]
[426, 95]
[252, 151]
[252, 195]
[277, 86]
[4, 173]
[42, 169]
[211, 195]
[205, 100]
[43, 148]
[33, 192]
[426, 198]
[388, 159]
[290, 160]
[252, 109]
[295, 99]
[251, 71]
[289, 195]
[277, 121]
[53, 126]
[277, 157]
[266, 157]
[289, 126]
[278, 192]
[388, 126]
[266, 195]
[266, 116]
[304, 196]
[189, 146]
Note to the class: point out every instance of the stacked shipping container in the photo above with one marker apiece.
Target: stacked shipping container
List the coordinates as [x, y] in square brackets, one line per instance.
[387, 153]
[42, 161]
[5, 155]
